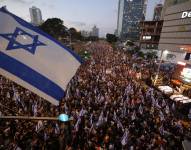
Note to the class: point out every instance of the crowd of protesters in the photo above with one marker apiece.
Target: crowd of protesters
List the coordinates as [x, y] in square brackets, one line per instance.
[109, 106]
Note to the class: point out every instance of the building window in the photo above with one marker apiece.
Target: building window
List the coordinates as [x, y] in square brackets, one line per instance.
[170, 56]
[187, 57]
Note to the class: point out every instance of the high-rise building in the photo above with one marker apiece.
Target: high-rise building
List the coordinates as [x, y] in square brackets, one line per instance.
[175, 39]
[150, 30]
[36, 16]
[157, 12]
[130, 13]
[150, 34]
[115, 32]
[95, 31]
[169, 3]
[85, 33]
[144, 9]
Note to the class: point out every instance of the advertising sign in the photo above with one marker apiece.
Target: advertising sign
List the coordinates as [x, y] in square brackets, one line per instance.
[186, 14]
[186, 75]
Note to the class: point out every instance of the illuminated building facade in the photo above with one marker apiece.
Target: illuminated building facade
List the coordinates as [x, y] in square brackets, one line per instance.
[130, 13]
[175, 37]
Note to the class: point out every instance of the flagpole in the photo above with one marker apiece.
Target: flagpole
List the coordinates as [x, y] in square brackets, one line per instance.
[61, 117]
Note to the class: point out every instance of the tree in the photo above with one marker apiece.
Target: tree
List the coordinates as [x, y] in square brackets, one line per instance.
[111, 38]
[72, 30]
[140, 54]
[75, 35]
[54, 27]
[151, 55]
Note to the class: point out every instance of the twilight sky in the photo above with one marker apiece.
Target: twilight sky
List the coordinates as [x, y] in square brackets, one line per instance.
[81, 14]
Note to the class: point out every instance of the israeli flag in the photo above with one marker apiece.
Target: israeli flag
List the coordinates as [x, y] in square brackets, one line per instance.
[33, 59]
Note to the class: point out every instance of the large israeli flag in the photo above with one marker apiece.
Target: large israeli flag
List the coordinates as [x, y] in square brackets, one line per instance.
[33, 59]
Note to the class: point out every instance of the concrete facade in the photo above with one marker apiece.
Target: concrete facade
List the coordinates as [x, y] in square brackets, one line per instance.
[176, 33]
[150, 34]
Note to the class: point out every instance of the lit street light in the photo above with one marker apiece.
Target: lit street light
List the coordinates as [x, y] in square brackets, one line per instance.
[158, 70]
[61, 117]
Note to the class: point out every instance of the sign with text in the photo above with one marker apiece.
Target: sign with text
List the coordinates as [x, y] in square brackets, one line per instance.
[186, 14]
[186, 75]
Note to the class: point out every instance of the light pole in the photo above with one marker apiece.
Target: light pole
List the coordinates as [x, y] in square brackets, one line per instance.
[61, 117]
[158, 69]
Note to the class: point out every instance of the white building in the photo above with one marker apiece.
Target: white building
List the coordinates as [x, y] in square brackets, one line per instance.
[85, 33]
[36, 16]
[145, 3]
[95, 32]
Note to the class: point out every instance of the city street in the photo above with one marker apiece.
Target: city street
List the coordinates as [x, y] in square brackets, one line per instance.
[95, 75]
[106, 95]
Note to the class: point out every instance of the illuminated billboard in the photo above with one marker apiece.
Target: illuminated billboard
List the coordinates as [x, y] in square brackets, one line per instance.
[186, 75]
[146, 37]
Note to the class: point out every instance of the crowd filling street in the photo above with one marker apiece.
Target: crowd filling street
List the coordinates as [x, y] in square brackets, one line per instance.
[109, 104]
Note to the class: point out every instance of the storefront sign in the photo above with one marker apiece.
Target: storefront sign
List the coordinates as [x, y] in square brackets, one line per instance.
[186, 14]
[146, 37]
[186, 74]
[166, 89]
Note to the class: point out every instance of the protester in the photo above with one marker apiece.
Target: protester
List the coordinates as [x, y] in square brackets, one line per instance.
[110, 106]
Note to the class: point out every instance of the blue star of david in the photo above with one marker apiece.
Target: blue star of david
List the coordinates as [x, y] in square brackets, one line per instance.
[13, 44]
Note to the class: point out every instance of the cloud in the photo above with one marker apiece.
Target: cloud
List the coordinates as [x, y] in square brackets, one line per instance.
[26, 17]
[51, 6]
[78, 23]
[115, 11]
[48, 5]
[19, 1]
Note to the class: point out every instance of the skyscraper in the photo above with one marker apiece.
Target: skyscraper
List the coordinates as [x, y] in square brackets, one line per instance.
[36, 16]
[144, 9]
[175, 37]
[157, 12]
[95, 31]
[130, 13]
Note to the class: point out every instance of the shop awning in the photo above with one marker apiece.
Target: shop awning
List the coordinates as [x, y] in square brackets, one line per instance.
[180, 98]
[166, 89]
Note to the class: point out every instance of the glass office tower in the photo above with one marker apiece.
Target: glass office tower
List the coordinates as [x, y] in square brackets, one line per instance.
[130, 13]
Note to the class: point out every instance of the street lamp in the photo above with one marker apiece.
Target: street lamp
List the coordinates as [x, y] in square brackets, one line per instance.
[158, 70]
[61, 117]
[166, 52]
